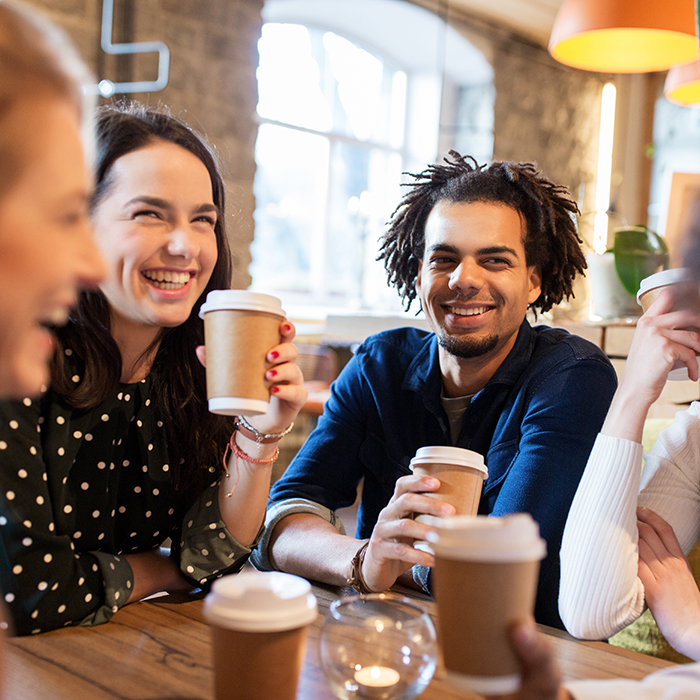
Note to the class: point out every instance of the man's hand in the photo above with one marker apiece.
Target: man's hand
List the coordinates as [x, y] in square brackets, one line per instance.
[669, 587]
[391, 552]
[541, 678]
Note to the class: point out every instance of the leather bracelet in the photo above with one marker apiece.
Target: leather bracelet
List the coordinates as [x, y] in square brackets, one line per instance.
[245, 428]
[356, 580]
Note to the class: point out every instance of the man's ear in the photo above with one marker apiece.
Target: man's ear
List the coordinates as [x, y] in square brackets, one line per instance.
[535, 282]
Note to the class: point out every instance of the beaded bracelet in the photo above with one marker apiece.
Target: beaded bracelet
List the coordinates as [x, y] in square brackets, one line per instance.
[253, 433]
[238, 452]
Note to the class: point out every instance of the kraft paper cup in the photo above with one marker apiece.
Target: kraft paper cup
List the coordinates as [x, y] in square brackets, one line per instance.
[259, 623]
[240, 327]
[686, 289]
[461, 473]
[485, 579]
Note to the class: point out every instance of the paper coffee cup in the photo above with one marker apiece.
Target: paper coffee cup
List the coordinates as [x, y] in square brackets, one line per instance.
[484, 580]
[687, 296]
[259, 624]
[461, 474]
[240, 327]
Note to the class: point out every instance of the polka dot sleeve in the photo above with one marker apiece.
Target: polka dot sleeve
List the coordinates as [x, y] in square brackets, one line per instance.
[45, 580]
[207, 549]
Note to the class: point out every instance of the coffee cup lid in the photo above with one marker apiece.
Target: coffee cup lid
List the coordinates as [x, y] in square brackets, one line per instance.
[257, 601]
[241, 300]
[457, 456]
[488, 538]
[663, 279]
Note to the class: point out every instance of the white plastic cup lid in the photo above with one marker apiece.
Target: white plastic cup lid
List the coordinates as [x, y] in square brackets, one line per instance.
[457, 456]
[257, 601]
[663, 279]
[241, 300]
[488, 538]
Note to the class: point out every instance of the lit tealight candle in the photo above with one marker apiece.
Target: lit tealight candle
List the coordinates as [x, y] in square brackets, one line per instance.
[375, 681]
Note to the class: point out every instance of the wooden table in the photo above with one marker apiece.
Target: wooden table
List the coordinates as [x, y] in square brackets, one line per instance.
[160, 650]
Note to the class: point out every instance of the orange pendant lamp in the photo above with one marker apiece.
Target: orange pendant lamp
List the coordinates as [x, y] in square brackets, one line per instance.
[625, 36]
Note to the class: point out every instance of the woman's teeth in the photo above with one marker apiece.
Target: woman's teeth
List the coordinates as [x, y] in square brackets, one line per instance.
[165, 279]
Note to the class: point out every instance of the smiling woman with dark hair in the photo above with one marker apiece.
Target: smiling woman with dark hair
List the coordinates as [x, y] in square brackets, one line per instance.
[120, 453]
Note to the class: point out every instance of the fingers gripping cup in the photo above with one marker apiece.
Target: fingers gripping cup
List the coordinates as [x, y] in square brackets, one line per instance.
[686, 296]
[259, 623]
[484, 580]
[461, 474]
[240, 327]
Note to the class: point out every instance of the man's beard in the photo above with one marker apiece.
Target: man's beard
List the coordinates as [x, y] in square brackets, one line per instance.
[464, 347]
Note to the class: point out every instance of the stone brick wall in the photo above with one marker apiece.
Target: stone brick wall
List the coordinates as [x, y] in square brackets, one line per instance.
[544, 112]
[547, 113]
[212, 84]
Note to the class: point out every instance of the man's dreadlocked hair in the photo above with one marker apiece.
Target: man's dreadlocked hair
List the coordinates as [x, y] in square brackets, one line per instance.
[551, 240]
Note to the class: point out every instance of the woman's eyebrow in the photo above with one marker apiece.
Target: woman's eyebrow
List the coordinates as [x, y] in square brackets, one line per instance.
[204, 208]
[151, 202]
[167, 206]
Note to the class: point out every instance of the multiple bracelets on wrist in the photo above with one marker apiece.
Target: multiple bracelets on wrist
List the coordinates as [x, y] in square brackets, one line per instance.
[356, 579]
[245, 428]
[250, 431]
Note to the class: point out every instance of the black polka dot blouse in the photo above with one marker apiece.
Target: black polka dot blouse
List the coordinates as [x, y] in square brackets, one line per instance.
[81, 488]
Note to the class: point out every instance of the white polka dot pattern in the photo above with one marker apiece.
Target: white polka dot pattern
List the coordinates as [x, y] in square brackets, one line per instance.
[76, 510]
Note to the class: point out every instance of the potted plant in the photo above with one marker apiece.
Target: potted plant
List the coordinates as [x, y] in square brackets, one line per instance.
[615, 276]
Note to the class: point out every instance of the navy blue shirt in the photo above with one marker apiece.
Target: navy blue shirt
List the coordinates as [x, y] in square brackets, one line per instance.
[535, 423]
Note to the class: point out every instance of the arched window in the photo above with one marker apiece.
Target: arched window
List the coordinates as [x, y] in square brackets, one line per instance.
[342, 114]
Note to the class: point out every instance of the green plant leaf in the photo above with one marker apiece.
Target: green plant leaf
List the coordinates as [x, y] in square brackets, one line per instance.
[639, 252]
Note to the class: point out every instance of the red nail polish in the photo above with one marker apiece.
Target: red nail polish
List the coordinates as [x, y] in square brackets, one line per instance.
[272, 372]
[274, 354]
[275, 389]
[286, 328]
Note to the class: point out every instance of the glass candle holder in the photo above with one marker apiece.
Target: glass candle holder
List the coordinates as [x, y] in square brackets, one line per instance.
[377, 646]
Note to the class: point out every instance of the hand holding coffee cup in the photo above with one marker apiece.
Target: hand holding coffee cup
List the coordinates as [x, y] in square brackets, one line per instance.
[249, 355]
[679, 317]
[461, 474]
[391, 551]
[239, 329]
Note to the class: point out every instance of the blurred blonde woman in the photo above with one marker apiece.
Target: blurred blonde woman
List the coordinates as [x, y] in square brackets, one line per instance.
[46, 246]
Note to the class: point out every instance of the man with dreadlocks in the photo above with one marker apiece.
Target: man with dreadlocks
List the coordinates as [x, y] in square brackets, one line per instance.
[477, 246]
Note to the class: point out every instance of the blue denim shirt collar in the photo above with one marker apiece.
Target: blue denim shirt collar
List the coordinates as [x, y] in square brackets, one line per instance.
[424, 376]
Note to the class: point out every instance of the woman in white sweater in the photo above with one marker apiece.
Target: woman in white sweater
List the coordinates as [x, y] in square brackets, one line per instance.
[627, 533]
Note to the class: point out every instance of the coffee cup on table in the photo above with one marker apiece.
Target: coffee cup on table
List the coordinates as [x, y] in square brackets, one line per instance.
[240, 327]
[461, 474]
[686, 296]
[259, 624]
[484, 580]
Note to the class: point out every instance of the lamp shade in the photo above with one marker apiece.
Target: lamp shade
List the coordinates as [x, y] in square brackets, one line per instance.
[624, 36]
[682, 85]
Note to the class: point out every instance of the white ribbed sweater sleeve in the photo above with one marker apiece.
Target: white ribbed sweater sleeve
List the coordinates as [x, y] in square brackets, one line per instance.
[600, 592]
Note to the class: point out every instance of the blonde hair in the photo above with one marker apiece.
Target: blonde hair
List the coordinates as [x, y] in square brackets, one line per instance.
[36, 57]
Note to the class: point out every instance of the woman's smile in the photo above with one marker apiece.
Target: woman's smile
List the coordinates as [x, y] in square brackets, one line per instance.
[169, 280]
